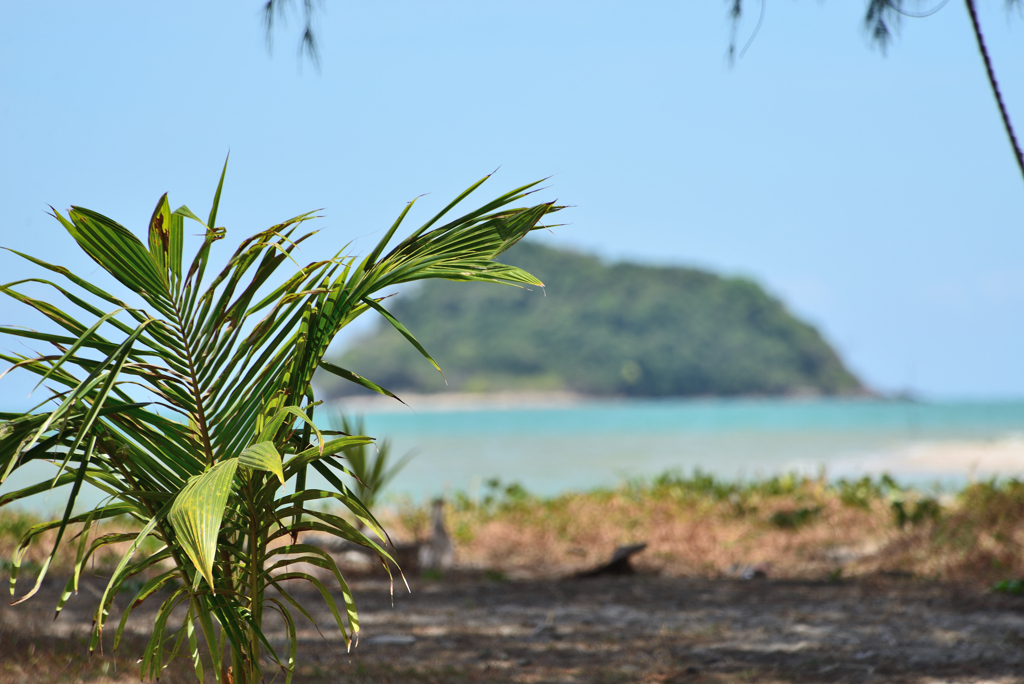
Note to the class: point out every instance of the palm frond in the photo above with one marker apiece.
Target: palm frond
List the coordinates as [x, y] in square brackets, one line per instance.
[194, 413]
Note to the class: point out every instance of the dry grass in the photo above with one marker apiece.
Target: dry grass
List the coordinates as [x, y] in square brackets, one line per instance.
[979, 537]
[796, 527]
[698, 526]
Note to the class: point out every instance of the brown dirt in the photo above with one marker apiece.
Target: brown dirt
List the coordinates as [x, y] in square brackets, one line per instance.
[638, 628]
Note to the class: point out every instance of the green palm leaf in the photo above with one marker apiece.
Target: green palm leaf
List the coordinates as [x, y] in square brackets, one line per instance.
[158, 408]
[197, 513]
[263, 456]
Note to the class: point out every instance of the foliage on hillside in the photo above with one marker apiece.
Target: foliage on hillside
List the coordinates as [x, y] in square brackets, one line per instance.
[602, 329]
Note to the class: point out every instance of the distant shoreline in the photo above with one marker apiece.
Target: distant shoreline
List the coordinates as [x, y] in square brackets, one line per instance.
[461, 401]
[497, 401]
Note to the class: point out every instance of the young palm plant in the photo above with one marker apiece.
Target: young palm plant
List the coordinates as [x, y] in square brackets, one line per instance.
[193, 413]
[371, 466]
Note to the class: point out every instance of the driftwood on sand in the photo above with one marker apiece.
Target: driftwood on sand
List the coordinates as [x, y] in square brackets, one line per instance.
[619, 563]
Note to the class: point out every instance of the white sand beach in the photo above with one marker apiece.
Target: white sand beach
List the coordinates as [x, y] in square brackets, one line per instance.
[973, 459]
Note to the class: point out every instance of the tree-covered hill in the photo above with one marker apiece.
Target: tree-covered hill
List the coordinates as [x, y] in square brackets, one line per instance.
[601, 329]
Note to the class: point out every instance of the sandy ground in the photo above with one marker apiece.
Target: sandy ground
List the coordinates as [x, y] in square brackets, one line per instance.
[466, 627]
[977, 459]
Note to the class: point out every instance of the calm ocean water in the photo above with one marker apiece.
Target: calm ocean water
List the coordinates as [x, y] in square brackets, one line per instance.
[599, 444]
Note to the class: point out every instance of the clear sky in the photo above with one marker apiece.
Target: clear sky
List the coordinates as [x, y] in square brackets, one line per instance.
[876, 195]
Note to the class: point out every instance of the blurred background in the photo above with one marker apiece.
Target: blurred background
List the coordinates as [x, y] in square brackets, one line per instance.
[867, 206]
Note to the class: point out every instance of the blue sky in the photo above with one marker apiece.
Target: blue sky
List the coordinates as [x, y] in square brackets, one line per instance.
[876, 195]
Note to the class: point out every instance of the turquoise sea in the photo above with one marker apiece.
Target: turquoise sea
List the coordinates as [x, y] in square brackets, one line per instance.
[599, 444]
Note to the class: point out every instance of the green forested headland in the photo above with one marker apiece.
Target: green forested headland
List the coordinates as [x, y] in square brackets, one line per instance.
[599, 329]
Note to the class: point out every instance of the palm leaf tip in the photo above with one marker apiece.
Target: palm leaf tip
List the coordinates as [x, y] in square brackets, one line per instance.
[263, 456]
